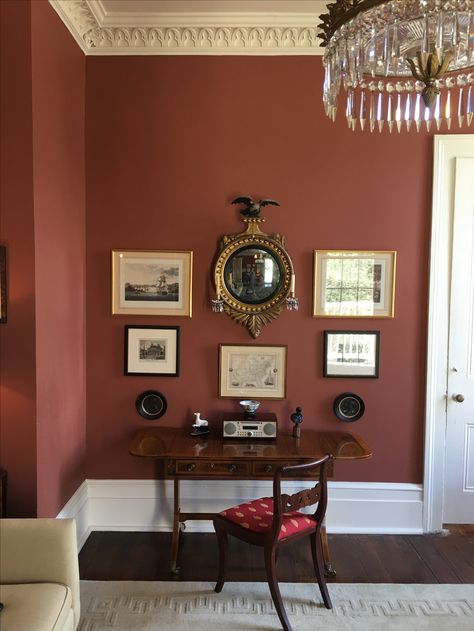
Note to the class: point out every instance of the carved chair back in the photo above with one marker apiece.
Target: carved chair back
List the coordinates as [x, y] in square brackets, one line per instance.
[284, 503]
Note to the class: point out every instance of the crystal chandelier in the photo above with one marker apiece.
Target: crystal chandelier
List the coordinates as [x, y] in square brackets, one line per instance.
[400, 62]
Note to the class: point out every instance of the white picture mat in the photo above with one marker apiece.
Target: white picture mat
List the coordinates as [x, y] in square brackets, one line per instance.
[351, 354]
[381, 290]
[255, 372]
[155, 274]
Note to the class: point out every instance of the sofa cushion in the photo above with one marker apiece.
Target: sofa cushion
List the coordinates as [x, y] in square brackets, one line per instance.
[35, 607]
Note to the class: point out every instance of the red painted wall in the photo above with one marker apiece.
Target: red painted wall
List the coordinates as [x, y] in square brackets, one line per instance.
[170, 142]
[42, 224]
[59, 200]
[17, 337]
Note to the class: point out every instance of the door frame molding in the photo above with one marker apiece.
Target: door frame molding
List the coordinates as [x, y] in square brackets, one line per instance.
[446, 149]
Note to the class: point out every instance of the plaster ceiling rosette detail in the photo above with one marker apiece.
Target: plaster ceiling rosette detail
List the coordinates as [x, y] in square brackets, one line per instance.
[184, 27]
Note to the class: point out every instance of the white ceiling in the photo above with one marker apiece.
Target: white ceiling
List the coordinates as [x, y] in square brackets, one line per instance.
[204, 27]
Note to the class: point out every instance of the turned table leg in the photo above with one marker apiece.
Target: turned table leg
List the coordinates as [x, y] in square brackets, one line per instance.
[329, 571]
[176, 529]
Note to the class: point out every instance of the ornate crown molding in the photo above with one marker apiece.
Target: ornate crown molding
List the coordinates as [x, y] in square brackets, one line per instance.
[189, 34]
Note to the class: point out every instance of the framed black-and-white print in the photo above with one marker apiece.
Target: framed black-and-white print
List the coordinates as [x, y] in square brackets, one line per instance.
[249, 371]
[354, 284]
[152, 350]
[148, 282]
[351, 354]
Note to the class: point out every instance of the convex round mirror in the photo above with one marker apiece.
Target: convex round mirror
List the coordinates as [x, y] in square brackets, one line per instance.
[253, 276]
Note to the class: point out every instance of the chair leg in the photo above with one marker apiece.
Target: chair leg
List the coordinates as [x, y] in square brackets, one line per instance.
[316, 549]
[270, 567]
[222, 542]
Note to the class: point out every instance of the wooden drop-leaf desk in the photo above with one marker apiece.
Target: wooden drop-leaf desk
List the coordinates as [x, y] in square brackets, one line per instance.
[212, 457]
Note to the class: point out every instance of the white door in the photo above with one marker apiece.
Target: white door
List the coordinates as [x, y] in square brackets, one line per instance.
[459, 459]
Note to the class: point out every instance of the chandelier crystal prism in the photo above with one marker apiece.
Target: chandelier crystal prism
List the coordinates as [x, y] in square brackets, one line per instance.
[400, 62]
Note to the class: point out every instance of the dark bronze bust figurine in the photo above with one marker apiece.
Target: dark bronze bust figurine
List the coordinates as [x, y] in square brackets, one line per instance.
[297, 418]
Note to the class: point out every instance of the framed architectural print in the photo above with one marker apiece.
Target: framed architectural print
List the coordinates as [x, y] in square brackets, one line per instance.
[152, 350]
[3, 284]
[146, 282]
[255, 372]
[354, 284]
[351, 354]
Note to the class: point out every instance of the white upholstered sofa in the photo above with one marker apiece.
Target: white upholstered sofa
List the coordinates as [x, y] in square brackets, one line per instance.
[39, 575]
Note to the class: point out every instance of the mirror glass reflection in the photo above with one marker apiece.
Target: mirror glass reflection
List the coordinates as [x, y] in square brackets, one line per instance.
[253, 275]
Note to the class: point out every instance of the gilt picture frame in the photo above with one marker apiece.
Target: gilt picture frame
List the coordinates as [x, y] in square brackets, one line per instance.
[354, 283]
[351, 354]
[3, 284]
[151, 350]
[152, 282]
[250, 371]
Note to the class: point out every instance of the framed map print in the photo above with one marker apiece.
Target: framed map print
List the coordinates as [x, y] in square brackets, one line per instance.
[255, 372]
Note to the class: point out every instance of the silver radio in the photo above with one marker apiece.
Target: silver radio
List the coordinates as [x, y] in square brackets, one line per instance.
[250, 426]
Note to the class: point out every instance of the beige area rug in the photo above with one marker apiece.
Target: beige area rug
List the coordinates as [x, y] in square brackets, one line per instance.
[159, 606]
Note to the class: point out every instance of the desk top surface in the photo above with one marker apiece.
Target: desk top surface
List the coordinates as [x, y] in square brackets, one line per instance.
[168, 442]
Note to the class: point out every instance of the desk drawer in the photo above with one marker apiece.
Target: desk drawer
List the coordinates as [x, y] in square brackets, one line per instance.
[217, 468]
[269, 468]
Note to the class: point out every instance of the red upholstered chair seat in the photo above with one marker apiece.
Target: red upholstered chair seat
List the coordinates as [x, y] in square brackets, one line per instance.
[258, 516]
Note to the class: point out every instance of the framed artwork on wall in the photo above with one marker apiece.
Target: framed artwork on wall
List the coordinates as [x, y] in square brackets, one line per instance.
[152, 350]
[255, 372]
[351, 354]
[146, 282]
[3, 284]
[354, 284]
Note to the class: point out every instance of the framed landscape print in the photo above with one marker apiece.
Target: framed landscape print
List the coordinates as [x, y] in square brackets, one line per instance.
[255, 372]
[354, 284]
[3, 284]
[152, 350]
[146, 282]
[351, 354]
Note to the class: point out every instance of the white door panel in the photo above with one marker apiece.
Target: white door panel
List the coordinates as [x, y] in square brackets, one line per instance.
[459, 478]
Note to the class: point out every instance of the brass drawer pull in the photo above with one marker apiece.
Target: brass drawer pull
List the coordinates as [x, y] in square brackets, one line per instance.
[232, 468]
[191, 466]
[268, 468]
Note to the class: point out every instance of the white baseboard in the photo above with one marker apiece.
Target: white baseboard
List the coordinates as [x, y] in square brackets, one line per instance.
[78, 508]
[146, 505]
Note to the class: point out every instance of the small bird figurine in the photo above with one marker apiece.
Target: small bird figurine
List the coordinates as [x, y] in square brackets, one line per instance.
[252, 209]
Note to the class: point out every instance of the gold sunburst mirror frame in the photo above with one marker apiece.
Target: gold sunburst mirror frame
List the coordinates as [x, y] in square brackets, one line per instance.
[399, 61]
[254, 277]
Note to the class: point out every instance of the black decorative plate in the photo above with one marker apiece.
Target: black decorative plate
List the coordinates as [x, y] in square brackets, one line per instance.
[151, 404]
[348, 407]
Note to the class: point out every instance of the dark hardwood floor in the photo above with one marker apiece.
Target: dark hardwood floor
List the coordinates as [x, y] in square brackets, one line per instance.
[357, 558]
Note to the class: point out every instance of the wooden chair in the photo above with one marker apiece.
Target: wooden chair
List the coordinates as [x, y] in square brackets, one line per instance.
[274, 522]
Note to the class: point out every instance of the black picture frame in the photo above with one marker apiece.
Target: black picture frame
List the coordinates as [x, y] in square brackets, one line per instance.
[151, 351]
[3, 284]
[351, 354]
